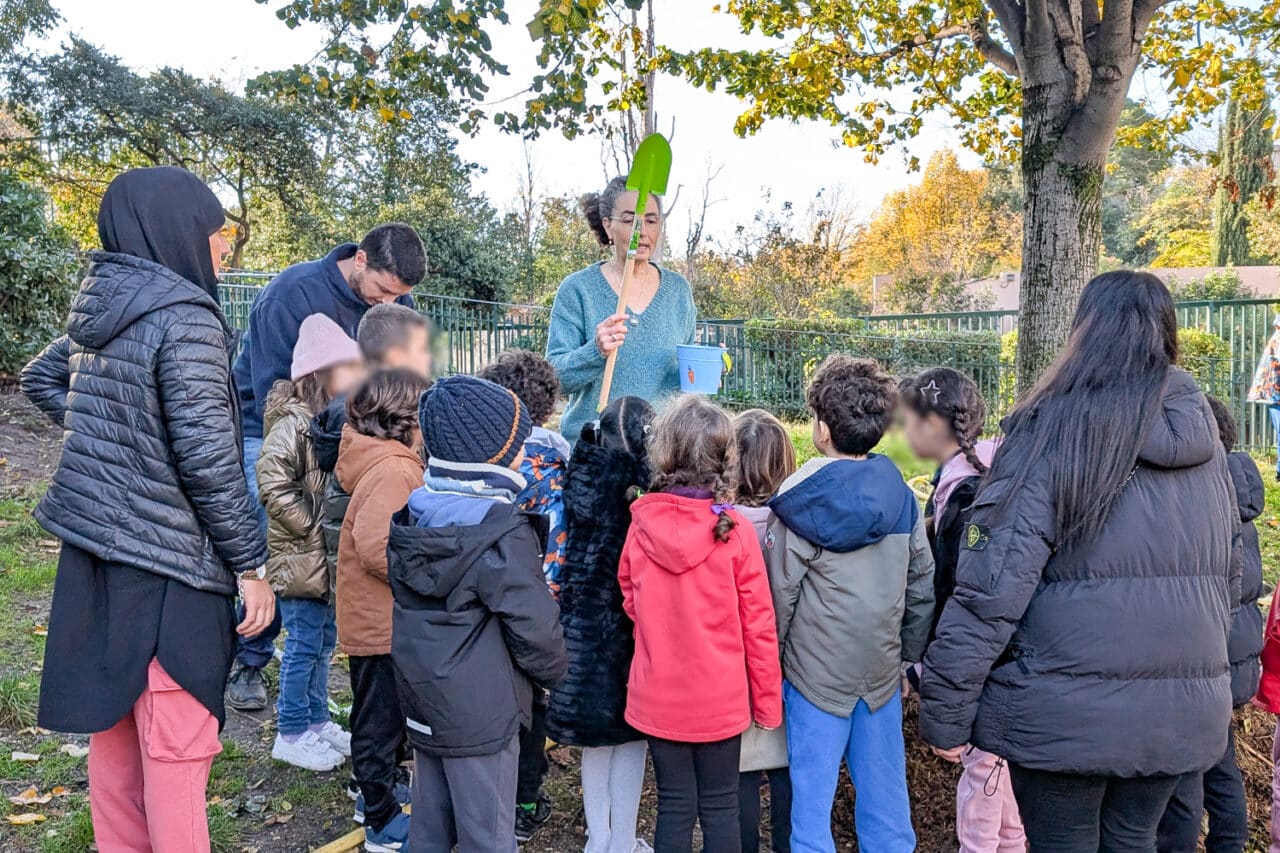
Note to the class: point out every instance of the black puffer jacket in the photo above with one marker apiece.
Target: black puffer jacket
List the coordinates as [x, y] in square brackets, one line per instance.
[1244, 645]
[587, 707]
[1110, 656]
[151, 473]
[474, 627]
[326, 437]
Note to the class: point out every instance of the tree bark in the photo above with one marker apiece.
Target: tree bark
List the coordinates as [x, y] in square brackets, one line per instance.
[1073, 90]
[1061, 235]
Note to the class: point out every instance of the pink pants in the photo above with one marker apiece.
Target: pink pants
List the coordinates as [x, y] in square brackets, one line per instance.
[1275, 790]
[148, 772]
[987, 818]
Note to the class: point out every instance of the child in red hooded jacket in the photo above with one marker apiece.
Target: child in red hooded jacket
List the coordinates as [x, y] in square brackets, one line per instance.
[706, 660]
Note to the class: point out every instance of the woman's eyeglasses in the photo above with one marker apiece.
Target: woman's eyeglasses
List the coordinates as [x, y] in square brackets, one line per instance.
[629, 218]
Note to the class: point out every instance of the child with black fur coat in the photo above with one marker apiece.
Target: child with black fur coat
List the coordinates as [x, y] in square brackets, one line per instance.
[606, 470]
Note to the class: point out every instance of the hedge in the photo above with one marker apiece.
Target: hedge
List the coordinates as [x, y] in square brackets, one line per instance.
[776, 358]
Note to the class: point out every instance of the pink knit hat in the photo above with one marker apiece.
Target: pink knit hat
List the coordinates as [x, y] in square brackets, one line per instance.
[321, 343]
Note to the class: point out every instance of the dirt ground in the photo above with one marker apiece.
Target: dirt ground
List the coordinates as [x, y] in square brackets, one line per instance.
[263, 806]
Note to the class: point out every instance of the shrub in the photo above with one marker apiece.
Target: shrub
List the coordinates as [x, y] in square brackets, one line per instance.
[780, 356]
[38, 268]
[1218, 286]
[1207, 357]
[1008, 375]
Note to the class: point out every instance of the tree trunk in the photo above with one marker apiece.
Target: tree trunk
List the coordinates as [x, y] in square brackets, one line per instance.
[1061, 236]
[242, 240]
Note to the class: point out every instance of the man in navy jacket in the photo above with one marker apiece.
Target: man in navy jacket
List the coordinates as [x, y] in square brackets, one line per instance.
[386, 265]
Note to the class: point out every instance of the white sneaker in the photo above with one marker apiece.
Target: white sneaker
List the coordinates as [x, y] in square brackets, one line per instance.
[307, 752]
[642, 846]
[336, 738]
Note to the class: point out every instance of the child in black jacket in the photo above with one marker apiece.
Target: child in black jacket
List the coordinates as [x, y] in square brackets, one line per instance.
[943, 417]
[1220, 789]
[475, 628]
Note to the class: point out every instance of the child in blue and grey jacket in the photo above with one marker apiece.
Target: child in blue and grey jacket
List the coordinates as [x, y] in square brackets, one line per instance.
[850, 568]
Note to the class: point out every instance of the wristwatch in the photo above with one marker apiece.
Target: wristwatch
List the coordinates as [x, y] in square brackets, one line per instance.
[258, 574]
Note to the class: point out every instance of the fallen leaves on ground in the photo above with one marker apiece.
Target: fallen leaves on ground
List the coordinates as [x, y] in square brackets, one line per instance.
[75, 750]
[26, 819]
[31, 797]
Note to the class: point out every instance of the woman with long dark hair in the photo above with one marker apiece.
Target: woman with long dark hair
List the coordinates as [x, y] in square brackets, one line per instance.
[156, 521]
[1086, 641]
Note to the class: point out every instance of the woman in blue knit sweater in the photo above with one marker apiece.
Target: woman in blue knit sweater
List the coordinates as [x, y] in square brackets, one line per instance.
[584, 328]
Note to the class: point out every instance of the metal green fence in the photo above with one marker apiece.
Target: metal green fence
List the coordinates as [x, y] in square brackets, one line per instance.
[772, 364]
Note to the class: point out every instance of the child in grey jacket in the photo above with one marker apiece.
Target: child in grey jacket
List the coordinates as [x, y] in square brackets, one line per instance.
[851, 570]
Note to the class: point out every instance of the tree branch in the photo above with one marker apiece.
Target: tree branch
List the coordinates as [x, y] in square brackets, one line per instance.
[1143, 12]
[1115, 32]
[1013, 20]
[918, 40]
[991, 50]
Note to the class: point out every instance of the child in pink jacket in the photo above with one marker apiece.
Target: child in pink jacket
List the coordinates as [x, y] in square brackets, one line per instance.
[943, 416]
[706, 662]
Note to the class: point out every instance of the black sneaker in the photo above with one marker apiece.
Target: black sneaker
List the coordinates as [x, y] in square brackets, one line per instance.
[246, 690]
[529, 821]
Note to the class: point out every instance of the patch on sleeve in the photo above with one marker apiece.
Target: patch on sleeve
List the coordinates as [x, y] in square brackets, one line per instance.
[976, 537]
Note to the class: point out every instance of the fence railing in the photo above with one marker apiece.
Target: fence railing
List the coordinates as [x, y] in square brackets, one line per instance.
[771, 366]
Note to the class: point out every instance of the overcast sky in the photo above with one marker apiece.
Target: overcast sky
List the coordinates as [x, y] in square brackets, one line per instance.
[235, 39]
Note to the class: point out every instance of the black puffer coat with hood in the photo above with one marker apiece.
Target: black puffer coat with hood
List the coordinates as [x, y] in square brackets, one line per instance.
[475, 627]
[151, 473]
[1244, 644]
[1108, 657]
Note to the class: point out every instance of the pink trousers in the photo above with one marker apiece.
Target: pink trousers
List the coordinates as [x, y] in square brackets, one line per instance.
[148, 773]
[1275, 790]
[987, 818]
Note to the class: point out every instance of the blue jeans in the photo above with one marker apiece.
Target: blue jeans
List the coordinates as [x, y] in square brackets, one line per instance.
[256, 652]
[1275, 426]
[304, 672]
[871, 743]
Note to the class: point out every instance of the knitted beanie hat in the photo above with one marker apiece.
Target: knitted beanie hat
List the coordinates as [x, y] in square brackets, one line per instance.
[321, 343]
[471, 420]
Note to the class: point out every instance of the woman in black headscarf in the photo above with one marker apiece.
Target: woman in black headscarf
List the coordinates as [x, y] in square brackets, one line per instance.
[151, 505]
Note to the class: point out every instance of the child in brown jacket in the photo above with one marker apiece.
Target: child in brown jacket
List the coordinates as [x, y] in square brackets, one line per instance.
[379, 464]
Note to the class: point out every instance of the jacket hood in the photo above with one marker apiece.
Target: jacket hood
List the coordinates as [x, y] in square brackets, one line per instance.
[960, 469]
[358, 454]
[546, 438]
[278, 407]
[845, 504]
[1184, 433]
[326, 433]
[120, 289]
[1250, 491]
[433, 561]
[757, 515]
[675, 532]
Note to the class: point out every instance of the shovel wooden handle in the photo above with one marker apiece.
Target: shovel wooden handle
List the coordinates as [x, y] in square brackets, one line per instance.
[627, 271]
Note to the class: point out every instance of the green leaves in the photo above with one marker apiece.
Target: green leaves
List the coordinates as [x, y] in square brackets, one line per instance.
[38, 268]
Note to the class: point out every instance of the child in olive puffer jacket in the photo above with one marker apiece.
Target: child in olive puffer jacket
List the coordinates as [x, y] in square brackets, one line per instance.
[326, 363]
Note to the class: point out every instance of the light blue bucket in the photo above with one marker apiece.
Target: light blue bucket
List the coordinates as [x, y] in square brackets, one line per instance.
[700, 368]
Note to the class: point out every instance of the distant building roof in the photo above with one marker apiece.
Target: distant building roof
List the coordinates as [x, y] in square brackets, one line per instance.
[1000, 292]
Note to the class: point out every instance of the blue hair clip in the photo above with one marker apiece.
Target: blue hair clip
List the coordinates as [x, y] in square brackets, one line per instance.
[721, 509]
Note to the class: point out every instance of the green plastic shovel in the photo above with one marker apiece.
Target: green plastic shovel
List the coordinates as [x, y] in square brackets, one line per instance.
[650, 169]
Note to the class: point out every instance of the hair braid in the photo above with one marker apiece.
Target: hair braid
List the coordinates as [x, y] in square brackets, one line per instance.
[962, 426]
[725, 494]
